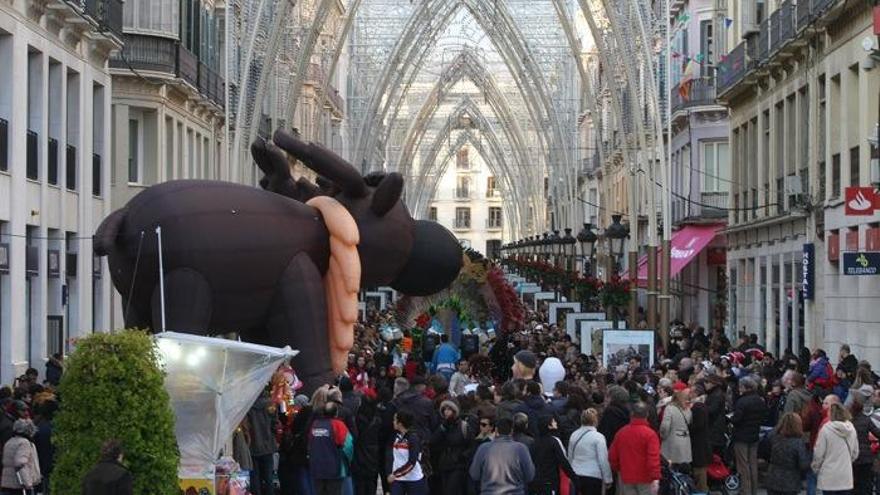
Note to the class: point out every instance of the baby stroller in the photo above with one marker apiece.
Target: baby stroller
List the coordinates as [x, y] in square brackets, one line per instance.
[673, 482]
[721, 476]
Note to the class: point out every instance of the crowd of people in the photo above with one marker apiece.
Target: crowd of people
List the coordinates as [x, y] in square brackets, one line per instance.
[528, 413]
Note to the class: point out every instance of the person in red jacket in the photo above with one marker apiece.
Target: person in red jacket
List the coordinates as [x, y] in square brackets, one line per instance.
[635, 455]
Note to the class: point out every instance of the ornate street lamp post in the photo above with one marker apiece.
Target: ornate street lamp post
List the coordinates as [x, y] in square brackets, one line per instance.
[587, 240]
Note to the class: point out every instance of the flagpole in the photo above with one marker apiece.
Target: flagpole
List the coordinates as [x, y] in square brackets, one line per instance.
[161, 278]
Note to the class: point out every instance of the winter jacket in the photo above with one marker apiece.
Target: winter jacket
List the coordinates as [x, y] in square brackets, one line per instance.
[5, 427]
[748, 416]
[836, 449]
[331, 448]
[54, 370]
[45, 449]
[588, 454]
[262, 429]
[635, 453]
[849, 365]
[458, 382]
[445, 359]
[675, 435]
[797, 401]
[548, 456]
[613, 419]
[507, 408]
[20, 455]
[449, 445]
[716, 409]
[864, 427]
[537, 409]
[502, 467]
[701, 450]
[404, 457]
[108, 478]
[789, 463]
[367, 449]
[568, 420]
[819, 375]
[420, 406]
[524, 439]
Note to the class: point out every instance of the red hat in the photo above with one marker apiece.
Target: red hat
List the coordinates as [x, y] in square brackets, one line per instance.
[679, 386]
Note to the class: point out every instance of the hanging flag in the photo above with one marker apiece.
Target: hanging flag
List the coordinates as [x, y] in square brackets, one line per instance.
[728, 22]
[687, 77]
[684, 17]
[700, 58]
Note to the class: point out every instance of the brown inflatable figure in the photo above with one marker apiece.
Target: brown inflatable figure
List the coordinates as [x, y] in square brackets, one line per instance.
[281, 266]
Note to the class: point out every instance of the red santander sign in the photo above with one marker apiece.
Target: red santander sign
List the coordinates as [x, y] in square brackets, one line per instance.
[861, 201]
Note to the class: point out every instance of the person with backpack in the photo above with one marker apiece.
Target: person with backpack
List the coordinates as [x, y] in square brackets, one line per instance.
[331, 448]
[821, 375]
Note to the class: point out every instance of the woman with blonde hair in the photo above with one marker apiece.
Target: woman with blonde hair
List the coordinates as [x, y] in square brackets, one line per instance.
[789, 458]
[588, 455]
[675, 439]
[837, 447]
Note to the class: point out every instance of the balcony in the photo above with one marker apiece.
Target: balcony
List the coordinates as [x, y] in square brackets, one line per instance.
[33, 163]
[732, 69]
[70, 167]
[147, 53]
[462, 194]
[494, 224]
[187, 66]
[782, 26]
[763, 48]
[702, 93]
[461, 224]
[713, 204]
[211, 84]
[803, 15]
[493, 194]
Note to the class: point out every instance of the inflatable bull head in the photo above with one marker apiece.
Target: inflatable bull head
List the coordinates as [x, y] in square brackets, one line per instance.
[281, 266]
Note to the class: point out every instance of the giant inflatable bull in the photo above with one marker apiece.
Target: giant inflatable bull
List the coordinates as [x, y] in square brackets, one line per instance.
[281, 266]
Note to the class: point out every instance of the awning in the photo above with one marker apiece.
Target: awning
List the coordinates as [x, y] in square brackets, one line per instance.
[686, 245]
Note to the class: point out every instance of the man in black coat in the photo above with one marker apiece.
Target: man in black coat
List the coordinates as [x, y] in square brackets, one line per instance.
[848, 363]
[109, 476]
[450, 443]
[536, 408]
[616, 414]
[748, 416]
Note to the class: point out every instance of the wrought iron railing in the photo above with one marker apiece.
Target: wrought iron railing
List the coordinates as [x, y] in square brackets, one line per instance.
[701, 92]
[732, 68]
[70, 168]
[187, 66]
[782, 26]
[33, 156]
[764, 41]
[820, 6]
[106, 13]
[804, 14]
[147, 53]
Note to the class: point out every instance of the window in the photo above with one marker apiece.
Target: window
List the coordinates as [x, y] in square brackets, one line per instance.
[4, 145]
[835, 176]
[491, 188]
[33, 164]
[53, 161]
[159, 17]
[707, 47]
[462, 161]
[134, 151]
[493, 249]
[463, 187]
[432, 214]
[716, 167]
[854, 166]
[462, 218]
[494, 217]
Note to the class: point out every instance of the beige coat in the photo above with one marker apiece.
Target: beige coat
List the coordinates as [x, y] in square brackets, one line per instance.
[675, 435]
[20, 454]
[836, 449]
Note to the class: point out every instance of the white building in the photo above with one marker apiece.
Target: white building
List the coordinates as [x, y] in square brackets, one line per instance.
[54, 185]
[468, 202]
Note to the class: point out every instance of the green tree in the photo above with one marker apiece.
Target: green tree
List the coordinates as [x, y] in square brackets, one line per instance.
[113, 388]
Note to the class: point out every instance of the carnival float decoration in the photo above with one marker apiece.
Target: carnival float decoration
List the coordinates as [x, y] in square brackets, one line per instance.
[280, 266]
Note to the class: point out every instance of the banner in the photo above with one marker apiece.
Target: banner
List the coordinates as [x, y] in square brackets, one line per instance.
[808, 263]
[861, 263]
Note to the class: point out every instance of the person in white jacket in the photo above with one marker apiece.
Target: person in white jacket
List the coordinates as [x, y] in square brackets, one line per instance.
[588, 456]
[837, 447]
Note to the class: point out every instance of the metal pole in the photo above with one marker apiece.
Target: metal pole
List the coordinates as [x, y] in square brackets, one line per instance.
[161, 278]
[667, 193]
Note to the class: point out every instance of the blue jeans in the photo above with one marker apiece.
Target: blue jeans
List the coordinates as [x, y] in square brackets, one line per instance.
[811, 482]
[419, 487]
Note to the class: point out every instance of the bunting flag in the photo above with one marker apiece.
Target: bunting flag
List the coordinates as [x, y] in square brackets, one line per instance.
[728, 22]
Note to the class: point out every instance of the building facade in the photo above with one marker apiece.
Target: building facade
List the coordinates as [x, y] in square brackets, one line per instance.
[802, 87]
[700, 163]
[468, 202]
[168, 100]
[55, 156]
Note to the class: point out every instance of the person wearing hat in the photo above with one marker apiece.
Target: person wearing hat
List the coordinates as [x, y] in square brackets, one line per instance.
[109, 476]
[21, 468]
[524, 364]
[450, 443]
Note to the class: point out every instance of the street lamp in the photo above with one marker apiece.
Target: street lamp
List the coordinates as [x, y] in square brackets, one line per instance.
[569, 249]
[545, 247]
[616, 234]
[587, 240]
[556, 247]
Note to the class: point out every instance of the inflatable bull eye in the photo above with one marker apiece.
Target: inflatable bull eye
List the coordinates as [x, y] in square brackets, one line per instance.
[280, 266]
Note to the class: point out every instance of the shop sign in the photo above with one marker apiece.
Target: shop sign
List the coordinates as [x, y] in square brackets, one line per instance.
[808, 262]
[860, 201]
[864, 263]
